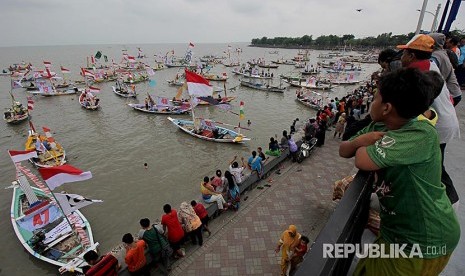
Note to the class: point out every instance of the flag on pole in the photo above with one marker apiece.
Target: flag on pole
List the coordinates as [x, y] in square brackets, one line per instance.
[31, 127]
[94, 89]
[98, 55]
[191, 45]
[64, 70]
[87, 73]
[198, 85]
[47, 64]
[131, 59]
[241, 111]
[30, 103]
[50, 138]
[16, 84]
[72, 202]
[57, 176]
[21, 155]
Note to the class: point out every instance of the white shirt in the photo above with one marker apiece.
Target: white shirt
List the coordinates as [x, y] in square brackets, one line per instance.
[237, 173]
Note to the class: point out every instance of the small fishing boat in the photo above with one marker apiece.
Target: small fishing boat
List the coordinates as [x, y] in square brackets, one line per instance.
[309, 84]
[49, 152]
[17, 113]
[262, 86]
[88, 101]
[136, 78]
[44, 230]
[56, 92]
[314, 101]
[214, 77]
[249, 74]
[267, 65]
[165, 110]
[209, 131]
[122, 90]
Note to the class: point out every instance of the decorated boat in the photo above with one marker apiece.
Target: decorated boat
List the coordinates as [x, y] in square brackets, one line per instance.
[49, 152]
[310, 84]
[310, 98]
[136, 78]
[214, 77]
[88, 100]
[50, 227]
[205, 129]
[165, 110]
[209, 131]
[262, 86]
[122, 90]
[251, 74]
[17, 113]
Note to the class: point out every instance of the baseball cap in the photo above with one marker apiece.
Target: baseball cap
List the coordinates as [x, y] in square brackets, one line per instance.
[419, 42]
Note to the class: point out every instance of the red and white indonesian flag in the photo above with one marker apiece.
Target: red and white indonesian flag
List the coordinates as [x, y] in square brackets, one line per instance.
[21, 155]
[131, 59]
[50, 138]
[198, 85]
[191, 45]
[72, 202]
[64, 70]
[57, 176]
[87, 73]
[30, 103]
[47, 64]
[94, 89]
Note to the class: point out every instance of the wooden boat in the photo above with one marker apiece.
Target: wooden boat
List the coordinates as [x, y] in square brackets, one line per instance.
[172, 110]
[51, 237]
[49, 154]
[137, 79]
[56, 92]
[249, 74]
[264, 65]
[124, 92]
[214, 77]
[17, 113]
[215, 134]
[309, 85]
[262, 86]
[284, 61]
[88, 101]
[314, 102]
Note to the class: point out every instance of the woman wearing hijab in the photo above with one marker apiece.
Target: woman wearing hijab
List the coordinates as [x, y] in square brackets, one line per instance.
[190, 223]
[288, 241]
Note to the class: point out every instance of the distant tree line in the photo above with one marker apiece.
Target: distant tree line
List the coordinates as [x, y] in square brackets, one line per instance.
[332, 41]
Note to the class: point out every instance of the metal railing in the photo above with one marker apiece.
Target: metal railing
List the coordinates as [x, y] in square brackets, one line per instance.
[345, 225]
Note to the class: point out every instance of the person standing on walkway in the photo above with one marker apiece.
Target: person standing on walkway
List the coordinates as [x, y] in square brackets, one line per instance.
[190, 223]
[287, 243]
[156, 243]
[203, 215]
[417, 54]
[135, 256]
[171, 224]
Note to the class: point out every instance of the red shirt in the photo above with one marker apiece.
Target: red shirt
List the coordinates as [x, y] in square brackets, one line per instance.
[135, 257]
[200, 210]
[302, 250]
[175, 231]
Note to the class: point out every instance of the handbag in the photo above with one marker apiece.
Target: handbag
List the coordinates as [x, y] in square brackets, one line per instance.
[166, 250]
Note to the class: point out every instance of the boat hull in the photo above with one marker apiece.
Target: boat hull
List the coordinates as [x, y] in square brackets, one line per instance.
[188, 127]
[177, 111]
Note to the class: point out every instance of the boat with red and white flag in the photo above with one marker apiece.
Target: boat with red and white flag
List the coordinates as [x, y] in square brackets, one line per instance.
[17, 113]
[50, 226]
[88, 100]
[205, 129]
[49, 152]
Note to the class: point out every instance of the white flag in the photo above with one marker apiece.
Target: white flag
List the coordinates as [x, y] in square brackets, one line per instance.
[71, 202]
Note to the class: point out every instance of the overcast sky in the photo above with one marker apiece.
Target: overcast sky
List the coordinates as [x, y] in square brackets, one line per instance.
[60, 22]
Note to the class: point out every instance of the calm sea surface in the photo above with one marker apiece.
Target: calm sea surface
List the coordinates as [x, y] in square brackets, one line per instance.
[116, 141]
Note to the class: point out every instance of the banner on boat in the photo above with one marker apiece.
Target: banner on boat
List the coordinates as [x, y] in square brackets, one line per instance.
[72, 202]
[43, 86]
[39, 218]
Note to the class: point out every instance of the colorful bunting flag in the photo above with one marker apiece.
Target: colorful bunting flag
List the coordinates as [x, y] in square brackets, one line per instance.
[30, 104]
[241, 111]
